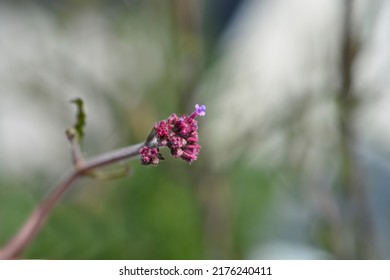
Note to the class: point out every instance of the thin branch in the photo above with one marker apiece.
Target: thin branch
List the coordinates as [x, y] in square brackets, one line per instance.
[34, 223]
[356, 210]
[77, 156]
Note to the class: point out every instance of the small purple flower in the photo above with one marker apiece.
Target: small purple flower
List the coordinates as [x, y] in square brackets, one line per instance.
[179, 134]
[199, 111]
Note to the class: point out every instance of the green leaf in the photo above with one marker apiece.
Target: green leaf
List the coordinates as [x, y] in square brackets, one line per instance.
[80, 118]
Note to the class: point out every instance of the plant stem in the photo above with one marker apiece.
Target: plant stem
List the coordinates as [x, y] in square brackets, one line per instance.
[34, 223]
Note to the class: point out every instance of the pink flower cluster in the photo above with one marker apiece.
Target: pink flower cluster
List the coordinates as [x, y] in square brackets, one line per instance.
[179, 134]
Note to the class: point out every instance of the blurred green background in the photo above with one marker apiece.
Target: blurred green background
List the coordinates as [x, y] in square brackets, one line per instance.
[295, 157]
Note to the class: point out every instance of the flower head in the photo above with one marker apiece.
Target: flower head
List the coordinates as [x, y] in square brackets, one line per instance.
[179, 134]
[150, 156]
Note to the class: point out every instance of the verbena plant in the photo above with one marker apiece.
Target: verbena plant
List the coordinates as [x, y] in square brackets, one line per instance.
[179, 134]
